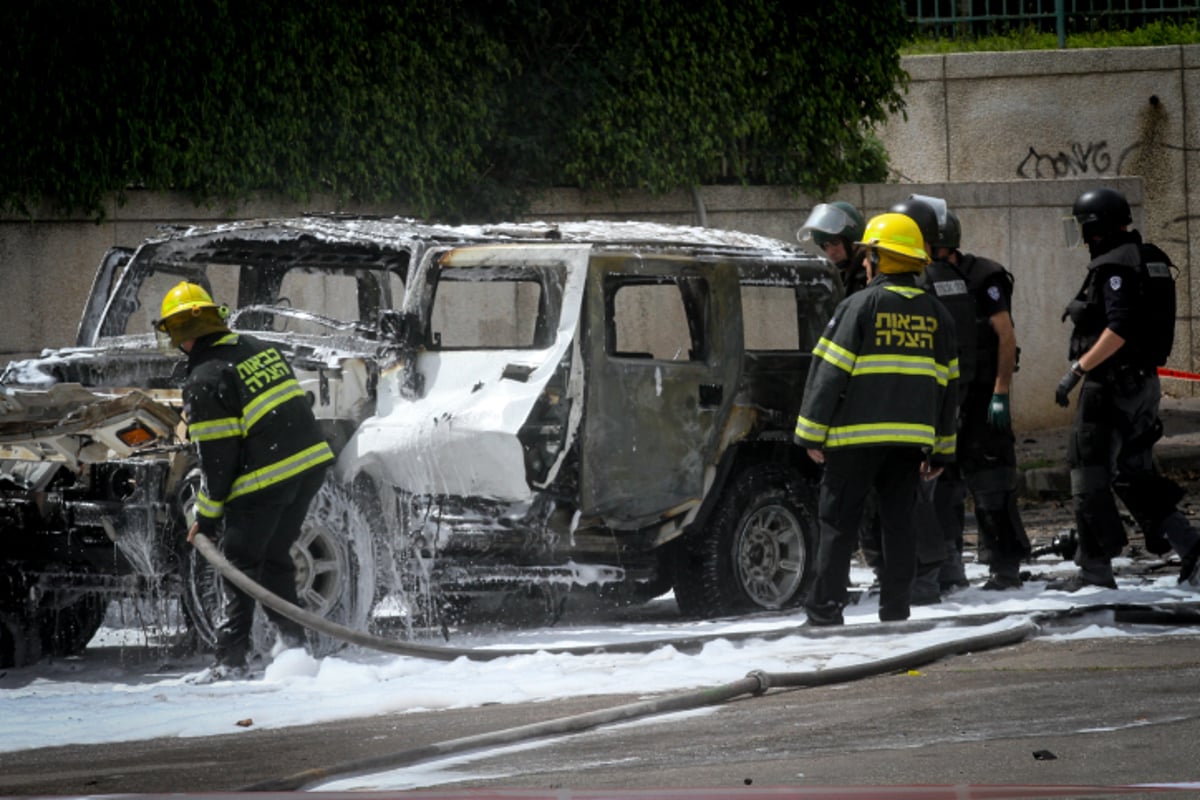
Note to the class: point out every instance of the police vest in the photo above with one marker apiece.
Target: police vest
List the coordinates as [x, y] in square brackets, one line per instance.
[950, 285]
[1153, 306]
[980, 272]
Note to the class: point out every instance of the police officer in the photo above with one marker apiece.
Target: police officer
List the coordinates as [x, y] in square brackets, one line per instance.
[835, 227]
[987, 457]
[941, 511]
[1124, 322]
[261, 455]
[878, 412]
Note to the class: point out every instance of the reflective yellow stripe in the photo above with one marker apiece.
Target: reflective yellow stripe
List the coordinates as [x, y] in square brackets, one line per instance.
[840, 357]
[945, 445]
[211, 429]
[811, 431]
[907, 365]
[906, 291]
[207, 507]
[270, 399]
[881, 433]
[280, 471]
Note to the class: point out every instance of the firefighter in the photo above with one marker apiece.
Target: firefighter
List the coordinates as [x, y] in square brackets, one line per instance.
[1124, 325]
[879, 413]
[987, 459]
[262, 459]
[835, 227]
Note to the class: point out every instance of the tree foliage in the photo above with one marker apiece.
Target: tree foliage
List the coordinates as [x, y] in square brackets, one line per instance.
[456, 109]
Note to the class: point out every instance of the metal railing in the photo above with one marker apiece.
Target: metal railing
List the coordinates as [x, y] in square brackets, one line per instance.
[974, 18]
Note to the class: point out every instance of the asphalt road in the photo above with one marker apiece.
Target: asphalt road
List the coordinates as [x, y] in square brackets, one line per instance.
[1110, 711]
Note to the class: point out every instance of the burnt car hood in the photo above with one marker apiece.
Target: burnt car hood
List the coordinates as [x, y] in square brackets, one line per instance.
[69, 405]
[74, 425]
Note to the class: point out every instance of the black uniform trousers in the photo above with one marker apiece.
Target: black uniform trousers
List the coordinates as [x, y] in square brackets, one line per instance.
[1111, 449]
[988, 460]
[850, 474]
[260, 530]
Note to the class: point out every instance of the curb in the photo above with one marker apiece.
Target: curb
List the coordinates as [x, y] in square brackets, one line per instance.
[1054, 483]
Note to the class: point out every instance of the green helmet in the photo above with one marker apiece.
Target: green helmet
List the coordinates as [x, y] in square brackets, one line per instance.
[829, 220]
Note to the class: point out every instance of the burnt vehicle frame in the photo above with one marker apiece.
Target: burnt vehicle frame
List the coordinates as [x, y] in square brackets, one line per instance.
[630, 466]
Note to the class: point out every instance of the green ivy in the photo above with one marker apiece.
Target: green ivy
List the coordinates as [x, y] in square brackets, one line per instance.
[457, 109]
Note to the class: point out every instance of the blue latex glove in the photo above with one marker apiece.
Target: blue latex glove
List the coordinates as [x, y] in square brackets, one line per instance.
[999, 416]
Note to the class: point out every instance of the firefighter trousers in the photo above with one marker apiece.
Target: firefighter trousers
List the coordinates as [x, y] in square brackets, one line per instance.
[259, 533]
[850, 474]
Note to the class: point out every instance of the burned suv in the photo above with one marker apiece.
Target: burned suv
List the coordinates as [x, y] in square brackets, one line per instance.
[518, 410]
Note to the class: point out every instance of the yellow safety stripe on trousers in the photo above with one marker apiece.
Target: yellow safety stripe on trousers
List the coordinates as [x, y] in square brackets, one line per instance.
[881, 433]
[892, 364]
[839, 356]
[811, 431]
[280, 471]
[270, 399]
[210, 429]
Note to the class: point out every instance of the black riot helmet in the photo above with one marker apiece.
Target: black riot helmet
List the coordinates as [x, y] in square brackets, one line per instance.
[1101, 212]
[928, 212]
[949, 233]
[1097, 215]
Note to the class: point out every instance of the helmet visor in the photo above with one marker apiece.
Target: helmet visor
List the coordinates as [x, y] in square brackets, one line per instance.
[824, 218]
[940, 209]
[1072, 231]
[164, 342]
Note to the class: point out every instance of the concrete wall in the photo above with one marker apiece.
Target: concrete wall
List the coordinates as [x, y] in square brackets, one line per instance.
[1009, 139]
[1050, 117]
[1016, 222]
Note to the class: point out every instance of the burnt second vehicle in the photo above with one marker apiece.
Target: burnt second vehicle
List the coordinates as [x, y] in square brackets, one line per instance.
[521, 410]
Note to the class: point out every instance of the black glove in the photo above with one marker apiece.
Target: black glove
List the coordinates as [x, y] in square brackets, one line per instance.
[1074, 375]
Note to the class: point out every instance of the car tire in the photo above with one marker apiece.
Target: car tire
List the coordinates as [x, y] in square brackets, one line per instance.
[756, 551]
[335, 573]
[66, 631]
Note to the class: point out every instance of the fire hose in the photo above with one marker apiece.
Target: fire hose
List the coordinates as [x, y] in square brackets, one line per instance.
[446, 653]
[756, 682]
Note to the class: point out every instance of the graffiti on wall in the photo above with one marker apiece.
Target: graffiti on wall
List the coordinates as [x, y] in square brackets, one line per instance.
[1081, 160]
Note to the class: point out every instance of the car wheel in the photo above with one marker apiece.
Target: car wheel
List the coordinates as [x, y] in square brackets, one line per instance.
[34, 625]
[66, 628]
[335, 573]
[756, 551]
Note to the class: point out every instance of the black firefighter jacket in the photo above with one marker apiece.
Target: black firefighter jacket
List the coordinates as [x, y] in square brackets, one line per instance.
[250, 418]
[885, 372]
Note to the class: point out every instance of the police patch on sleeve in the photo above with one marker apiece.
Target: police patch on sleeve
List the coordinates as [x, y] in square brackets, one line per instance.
[994, 293]
[1115, 283]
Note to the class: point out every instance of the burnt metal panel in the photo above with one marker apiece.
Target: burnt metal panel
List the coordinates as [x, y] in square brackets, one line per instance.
[652, 426]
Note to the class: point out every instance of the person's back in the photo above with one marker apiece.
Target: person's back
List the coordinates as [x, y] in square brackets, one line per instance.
[262, 458]
[879, 410]
[235, 379]
[901, 351]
